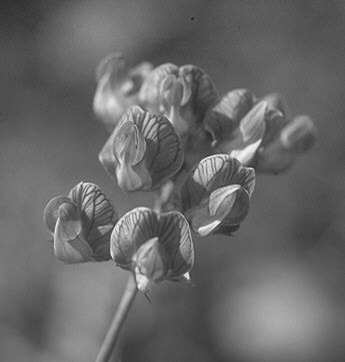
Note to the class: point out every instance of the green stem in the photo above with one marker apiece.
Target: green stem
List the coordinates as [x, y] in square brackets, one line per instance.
[120, 315]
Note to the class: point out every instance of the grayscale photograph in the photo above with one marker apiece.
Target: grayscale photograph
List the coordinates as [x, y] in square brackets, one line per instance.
[172, 179]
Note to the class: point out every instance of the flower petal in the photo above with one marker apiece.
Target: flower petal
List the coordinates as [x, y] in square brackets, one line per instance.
[175, 236]
[163, 153]
[275, 102]
[219, 197]
[69, 244]
[98, 217]
[212, 173]
[203, 95]
[129, 144]
[211, 212]
[131, 231]
[150, 95]
[299, 135]
[252, 130]
[50, 213]
[225, 116]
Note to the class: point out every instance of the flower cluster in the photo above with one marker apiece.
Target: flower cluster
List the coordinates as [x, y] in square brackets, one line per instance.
[171, 131]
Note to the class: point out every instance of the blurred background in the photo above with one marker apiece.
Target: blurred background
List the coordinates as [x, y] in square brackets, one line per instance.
[276, 290]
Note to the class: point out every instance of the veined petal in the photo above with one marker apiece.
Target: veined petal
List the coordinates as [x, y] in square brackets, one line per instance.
[247, 153]
[163, 155]
[155, 246]
[252, 126]
[252, 130]
[132, 178]
[214, 172]
[209, 215]
[129, 144]
[98, 217]
[131, 231]
[175, 235]
[50, 213]
[149, 94]
[222, 200]
[221, 120]
[69, 245]
[149, 261]
[203, 91]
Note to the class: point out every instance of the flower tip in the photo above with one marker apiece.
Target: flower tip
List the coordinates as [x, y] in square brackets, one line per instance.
[299, 135]
[51, 211]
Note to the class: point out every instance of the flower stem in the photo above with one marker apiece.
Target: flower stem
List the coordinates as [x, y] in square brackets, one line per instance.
[119, 317]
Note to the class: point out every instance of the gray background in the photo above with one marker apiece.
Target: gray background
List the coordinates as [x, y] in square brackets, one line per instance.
[275, 291]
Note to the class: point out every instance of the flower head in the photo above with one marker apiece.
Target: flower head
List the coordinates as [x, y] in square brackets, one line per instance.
[215, 195]
[183, 94]
[154, 246]
[117, 88]
[81, 224]
[143, 151]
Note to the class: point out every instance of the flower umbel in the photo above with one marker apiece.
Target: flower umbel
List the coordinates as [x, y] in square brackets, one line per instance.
[143, 151]
[155, 246]
[81, 224]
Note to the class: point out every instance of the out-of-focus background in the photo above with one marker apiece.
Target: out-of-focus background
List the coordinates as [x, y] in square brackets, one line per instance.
[276, 290]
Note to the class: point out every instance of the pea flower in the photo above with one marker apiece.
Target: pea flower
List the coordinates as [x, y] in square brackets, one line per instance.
[154, 246]
[215, 195]
[143, 151]
[252, 134]
[183, 94]
[81, 224]
[277, 155]
[117, 88]
[222, 119]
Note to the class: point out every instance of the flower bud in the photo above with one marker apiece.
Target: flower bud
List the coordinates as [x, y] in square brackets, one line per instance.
[81, 224]
[203, 93]
[299, 135]
[150, 92]
[154, 246]
[275, 102]
[221, 120]
[117, 88]
[182, 94]
[279, 153]
[142, 152]
[248, 136]
[215, 195]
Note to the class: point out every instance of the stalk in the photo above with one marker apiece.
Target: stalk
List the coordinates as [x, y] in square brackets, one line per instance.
[120, 315]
